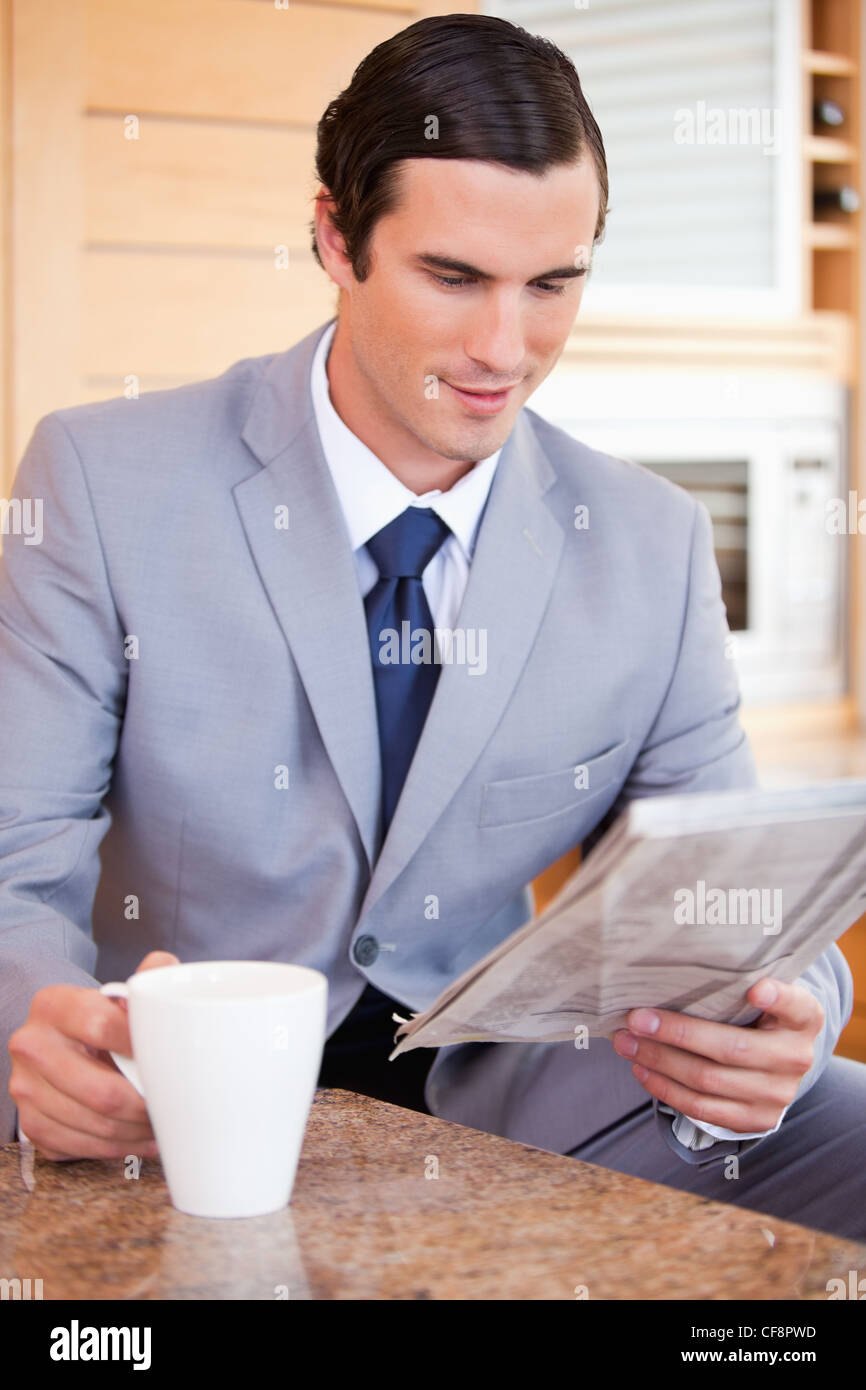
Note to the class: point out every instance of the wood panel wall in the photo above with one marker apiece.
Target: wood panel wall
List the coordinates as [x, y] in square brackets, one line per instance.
[158, 152]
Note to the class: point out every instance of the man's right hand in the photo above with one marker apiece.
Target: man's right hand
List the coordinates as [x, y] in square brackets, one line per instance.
[72, 1100]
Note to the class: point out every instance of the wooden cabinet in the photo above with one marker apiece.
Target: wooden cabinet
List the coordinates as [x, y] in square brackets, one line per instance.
[831, 154]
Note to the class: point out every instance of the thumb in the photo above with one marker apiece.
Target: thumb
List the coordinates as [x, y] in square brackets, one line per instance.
[151, 961]
[154, 959]
[756, 997]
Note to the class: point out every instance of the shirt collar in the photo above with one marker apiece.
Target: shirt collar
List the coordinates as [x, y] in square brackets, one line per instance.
[370, 495]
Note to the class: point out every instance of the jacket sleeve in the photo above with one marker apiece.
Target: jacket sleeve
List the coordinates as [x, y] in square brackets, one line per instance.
[697, 744]
[62, 692]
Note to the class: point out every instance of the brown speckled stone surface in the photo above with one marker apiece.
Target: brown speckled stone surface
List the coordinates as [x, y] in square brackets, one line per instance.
[501, 1221]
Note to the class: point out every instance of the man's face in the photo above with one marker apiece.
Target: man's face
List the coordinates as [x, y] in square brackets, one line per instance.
[415, 338]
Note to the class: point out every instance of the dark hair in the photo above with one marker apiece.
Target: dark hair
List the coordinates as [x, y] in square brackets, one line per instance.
[499, 94]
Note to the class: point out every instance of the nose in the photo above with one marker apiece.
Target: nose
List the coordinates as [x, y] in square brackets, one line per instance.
[495, 337]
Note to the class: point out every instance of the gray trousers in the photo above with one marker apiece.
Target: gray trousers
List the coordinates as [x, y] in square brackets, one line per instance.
[812, 1170]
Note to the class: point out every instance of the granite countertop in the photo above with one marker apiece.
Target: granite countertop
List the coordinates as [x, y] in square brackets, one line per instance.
[500, 1221]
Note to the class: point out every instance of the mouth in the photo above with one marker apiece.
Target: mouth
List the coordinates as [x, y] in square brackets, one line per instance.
[482, 402]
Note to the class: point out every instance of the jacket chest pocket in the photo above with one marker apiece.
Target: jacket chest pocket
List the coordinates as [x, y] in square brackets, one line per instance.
[518, 800]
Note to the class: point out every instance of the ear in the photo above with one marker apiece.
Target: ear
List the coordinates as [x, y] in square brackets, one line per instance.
[332, 247]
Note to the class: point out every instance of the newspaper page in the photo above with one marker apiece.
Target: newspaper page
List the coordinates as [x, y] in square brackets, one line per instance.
[683, 904]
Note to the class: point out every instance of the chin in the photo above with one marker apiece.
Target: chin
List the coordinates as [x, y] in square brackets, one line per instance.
[467, 450]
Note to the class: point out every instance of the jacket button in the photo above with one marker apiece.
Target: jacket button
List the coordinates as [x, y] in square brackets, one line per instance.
[365, 950]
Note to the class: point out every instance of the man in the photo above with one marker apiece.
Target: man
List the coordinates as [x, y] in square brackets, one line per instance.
[205, 669]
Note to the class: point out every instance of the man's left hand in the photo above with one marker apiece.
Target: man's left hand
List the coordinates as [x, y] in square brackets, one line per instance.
[740, 1078]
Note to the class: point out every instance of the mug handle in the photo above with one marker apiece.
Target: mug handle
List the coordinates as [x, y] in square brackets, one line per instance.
[116, 989]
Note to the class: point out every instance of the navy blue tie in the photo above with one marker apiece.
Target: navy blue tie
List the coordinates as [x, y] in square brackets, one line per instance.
[356, 1055]
[397, 617]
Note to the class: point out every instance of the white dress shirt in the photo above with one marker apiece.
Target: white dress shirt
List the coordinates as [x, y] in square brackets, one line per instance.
[371, 496]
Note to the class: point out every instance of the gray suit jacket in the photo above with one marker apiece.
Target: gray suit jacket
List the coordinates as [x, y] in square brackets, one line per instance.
[172, 645]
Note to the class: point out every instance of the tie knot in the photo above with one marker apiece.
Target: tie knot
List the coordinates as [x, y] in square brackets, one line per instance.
[405, 547]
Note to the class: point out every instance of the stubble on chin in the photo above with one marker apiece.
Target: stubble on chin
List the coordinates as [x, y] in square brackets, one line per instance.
[457, 449]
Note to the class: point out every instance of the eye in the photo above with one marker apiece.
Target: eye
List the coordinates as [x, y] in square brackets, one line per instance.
[454, 282]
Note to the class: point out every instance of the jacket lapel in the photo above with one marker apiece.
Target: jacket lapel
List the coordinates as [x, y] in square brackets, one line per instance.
[308, 572]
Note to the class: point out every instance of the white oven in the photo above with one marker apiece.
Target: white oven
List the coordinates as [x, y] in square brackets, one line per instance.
[766, 455]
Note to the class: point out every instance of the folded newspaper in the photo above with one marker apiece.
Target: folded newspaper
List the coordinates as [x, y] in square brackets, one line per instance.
[684, 903]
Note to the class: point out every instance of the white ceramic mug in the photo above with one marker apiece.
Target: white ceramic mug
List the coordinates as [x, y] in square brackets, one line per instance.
[227, 1055]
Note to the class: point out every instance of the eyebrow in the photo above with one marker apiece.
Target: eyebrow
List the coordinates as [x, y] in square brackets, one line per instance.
[564, 272]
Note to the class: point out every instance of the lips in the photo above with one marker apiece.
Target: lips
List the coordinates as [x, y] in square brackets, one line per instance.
[477, 391]
[481, 402]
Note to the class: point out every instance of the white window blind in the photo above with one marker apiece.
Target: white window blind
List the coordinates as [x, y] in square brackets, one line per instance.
[709, 221]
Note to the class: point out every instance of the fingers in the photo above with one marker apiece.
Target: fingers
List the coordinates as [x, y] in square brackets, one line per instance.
[105, 1119]
[789, 1005]
[84, 1015]
[738, 1078]
[704, 1076]
[88, 1085]
[61, 1143]
[73, 1102]
[154, 959]
[758, 1049]
[90, 1138]
[741, 1116]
